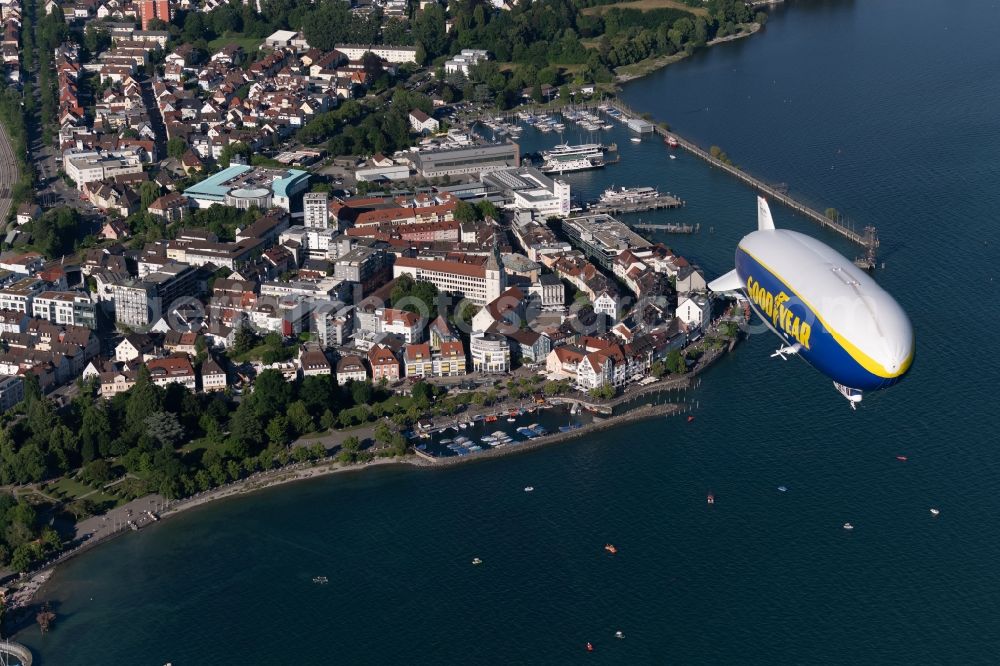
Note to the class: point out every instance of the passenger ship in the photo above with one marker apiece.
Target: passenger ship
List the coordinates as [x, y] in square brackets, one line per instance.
[628, 194]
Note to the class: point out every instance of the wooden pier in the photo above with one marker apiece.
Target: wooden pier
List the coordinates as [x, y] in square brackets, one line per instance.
[616, 208]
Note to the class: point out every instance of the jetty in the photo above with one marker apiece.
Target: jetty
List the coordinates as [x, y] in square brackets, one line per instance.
[618, 207]
[669, 228]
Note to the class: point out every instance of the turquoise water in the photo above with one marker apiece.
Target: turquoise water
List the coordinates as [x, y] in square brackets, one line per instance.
[886, 110]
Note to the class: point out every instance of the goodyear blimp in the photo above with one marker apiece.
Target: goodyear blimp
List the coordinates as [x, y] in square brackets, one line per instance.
[824, 308]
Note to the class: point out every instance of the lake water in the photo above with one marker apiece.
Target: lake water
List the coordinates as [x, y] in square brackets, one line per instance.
[885, 110]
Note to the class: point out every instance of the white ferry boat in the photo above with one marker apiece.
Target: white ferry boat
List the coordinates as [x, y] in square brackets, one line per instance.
[567, 164]
[616, 195]
[581, 150]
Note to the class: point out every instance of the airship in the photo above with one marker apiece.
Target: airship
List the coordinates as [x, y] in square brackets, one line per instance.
[824, 309]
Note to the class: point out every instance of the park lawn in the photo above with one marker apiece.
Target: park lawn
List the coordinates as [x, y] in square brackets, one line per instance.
[648, 5]
[68, 488]
[248, 43]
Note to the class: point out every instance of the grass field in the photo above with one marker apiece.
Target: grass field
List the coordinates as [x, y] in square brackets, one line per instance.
[647, 5]
[67, 488]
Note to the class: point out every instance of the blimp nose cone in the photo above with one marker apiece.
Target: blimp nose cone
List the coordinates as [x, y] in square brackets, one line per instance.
[899, 350]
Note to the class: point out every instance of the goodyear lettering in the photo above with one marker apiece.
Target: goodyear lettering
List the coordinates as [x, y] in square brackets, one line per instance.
[782, 318]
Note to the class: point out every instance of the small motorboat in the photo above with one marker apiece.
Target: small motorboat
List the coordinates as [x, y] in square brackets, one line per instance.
[690, 418]
[935, 512]
[610, 548]
[619, 635]
[590, 647]
[711, 498]
[673, 157]
[511, 419]
[901, 458]
[529, 489]
[476, 561]
[782, 489]
[848, 526]
[635, 139]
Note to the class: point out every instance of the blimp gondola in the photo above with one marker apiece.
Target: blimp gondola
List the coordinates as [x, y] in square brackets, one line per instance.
[825, 309]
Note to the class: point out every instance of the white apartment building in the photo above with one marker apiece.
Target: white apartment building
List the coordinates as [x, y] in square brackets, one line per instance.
[490, 352]
[393, 54]
[479, 284]
[316, 211]
[90, 166]
[19, 296]
[65, 307]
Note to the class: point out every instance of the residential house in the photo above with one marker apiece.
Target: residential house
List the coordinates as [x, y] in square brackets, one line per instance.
[351, 368]
[384, 363]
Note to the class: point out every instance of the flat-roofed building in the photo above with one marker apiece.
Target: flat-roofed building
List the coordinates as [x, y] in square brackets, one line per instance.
[245, 186]
[139, 303]
[316, 211]
[88, 166]
[471, 159]
[527, 188]
[19, 296]
[74, 308]
[490, 352]
[393, 54]
[481, 284]
[602, 237]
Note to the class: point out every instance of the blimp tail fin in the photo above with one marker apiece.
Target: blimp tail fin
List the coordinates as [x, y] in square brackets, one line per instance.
[728, 282]
[764, 219]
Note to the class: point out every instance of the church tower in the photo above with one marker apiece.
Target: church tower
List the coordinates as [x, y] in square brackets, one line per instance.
[496, 282]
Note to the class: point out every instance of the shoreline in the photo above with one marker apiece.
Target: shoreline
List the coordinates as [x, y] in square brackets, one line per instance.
[650, 65]
[328, 467]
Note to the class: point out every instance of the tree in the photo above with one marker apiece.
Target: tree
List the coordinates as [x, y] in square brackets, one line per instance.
[361, 392]
[675, 362]
[278, 430]
[176, 146]
[271, 393]
[231, 150]
[97, 472]
[244, 340]
[430, 31]
[149, 191]
[165, 428]
[466, 212]
[487, 210]
[299, 418]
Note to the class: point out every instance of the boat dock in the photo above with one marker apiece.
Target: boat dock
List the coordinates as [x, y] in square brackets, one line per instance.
[669, 228]
[653, 203]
